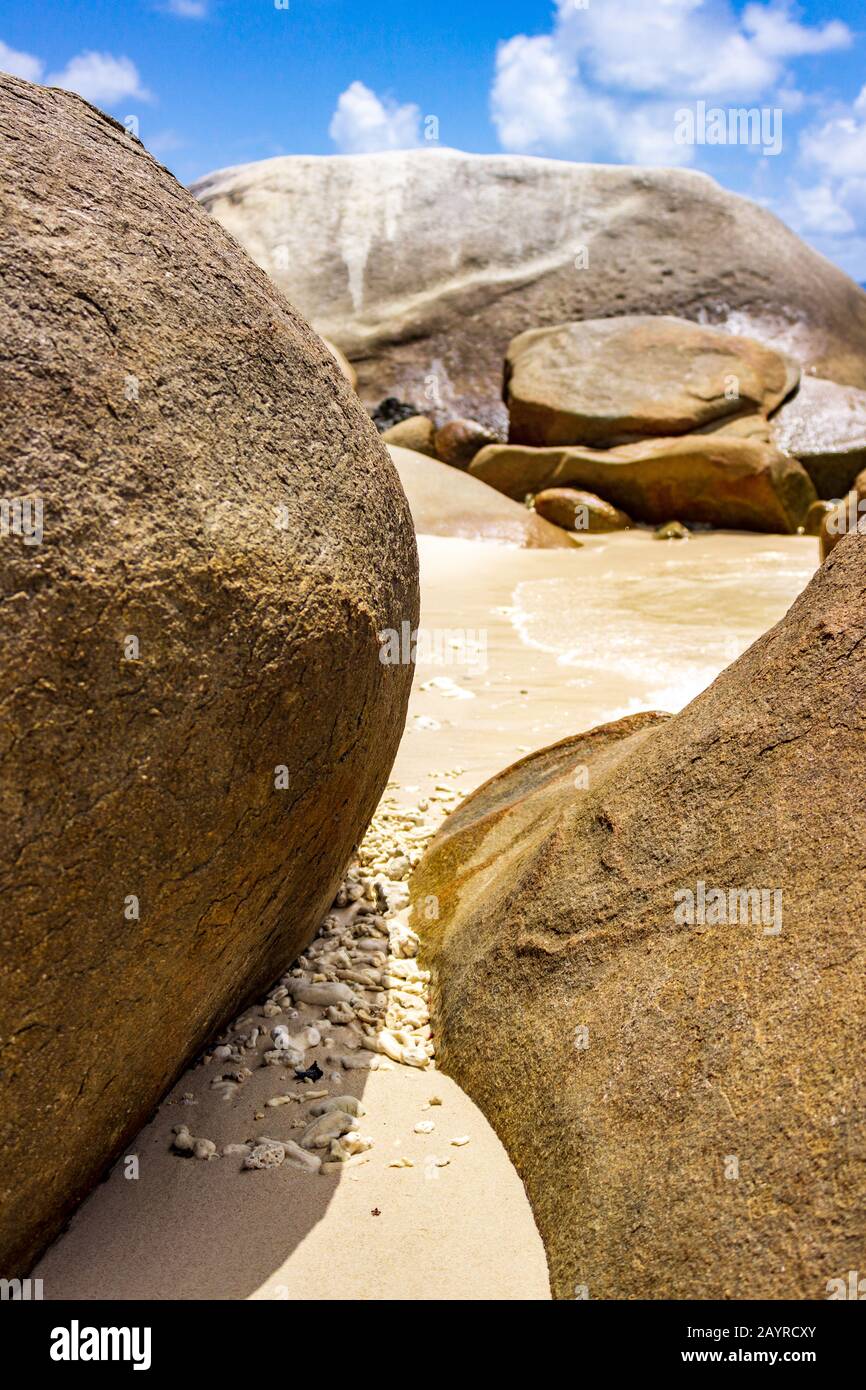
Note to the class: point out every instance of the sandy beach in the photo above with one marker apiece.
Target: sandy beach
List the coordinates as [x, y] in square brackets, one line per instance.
[546, 643]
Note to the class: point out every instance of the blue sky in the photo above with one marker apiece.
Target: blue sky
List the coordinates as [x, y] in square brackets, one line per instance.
[217, 82]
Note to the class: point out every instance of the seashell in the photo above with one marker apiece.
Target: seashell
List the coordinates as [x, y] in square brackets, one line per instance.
[424, 1127]
[183, 1141]
[459, 1142]
[360, 1061]
[340, 1013]
[337, 1165]
[204, 1148]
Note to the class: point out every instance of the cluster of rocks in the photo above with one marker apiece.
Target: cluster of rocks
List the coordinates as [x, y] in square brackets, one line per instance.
[646, 419]
[659, 417]
[424, 264]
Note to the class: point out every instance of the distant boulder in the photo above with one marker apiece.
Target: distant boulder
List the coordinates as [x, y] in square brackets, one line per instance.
[824, 426]
[445, 502]
[422, 265]
[717, 479]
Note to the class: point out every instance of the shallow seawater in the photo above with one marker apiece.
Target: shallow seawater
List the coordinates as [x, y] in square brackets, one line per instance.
[666, 626]
[575, 638]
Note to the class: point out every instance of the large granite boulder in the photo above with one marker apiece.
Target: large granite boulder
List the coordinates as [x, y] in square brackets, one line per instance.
[647, 947]
[197, 725]
[824, 426]
[620, 380]
[448, 502]
[423, 264]
[716, 478]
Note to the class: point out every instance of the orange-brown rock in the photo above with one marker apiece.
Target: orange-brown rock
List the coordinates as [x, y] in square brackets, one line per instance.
[844, 517]
[715, 478]
[575, 510]
[447, 503]
[416, 433]
[613, 381]
[459, 441]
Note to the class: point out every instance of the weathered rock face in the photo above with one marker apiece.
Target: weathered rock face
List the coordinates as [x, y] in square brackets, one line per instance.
[824, 426]
[620, 380]
[445, 502]
[684, 1103]
[426, 263]
[718, 479]
[197, 726]
[575, 510]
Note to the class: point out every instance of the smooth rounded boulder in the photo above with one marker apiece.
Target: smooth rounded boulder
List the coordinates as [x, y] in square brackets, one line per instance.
[576, 510]
[416, 433]
[206, 538]
[647, 948]
[459, 441]
[604, 382]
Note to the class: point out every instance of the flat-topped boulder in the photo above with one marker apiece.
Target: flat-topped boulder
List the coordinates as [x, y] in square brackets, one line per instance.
[615, 381]
[717, 479]
[647, 952]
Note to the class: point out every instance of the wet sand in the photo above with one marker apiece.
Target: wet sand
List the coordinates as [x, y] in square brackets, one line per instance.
[562, 640]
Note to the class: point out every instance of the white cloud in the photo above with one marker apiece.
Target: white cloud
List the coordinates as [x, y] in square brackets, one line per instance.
[188, 9]
[535, 98]
[780, 36]
[363, 123]
[818, 210]
[838, 146]
[20, 64]
[827, 200]
[100, 78]
[608, 78]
